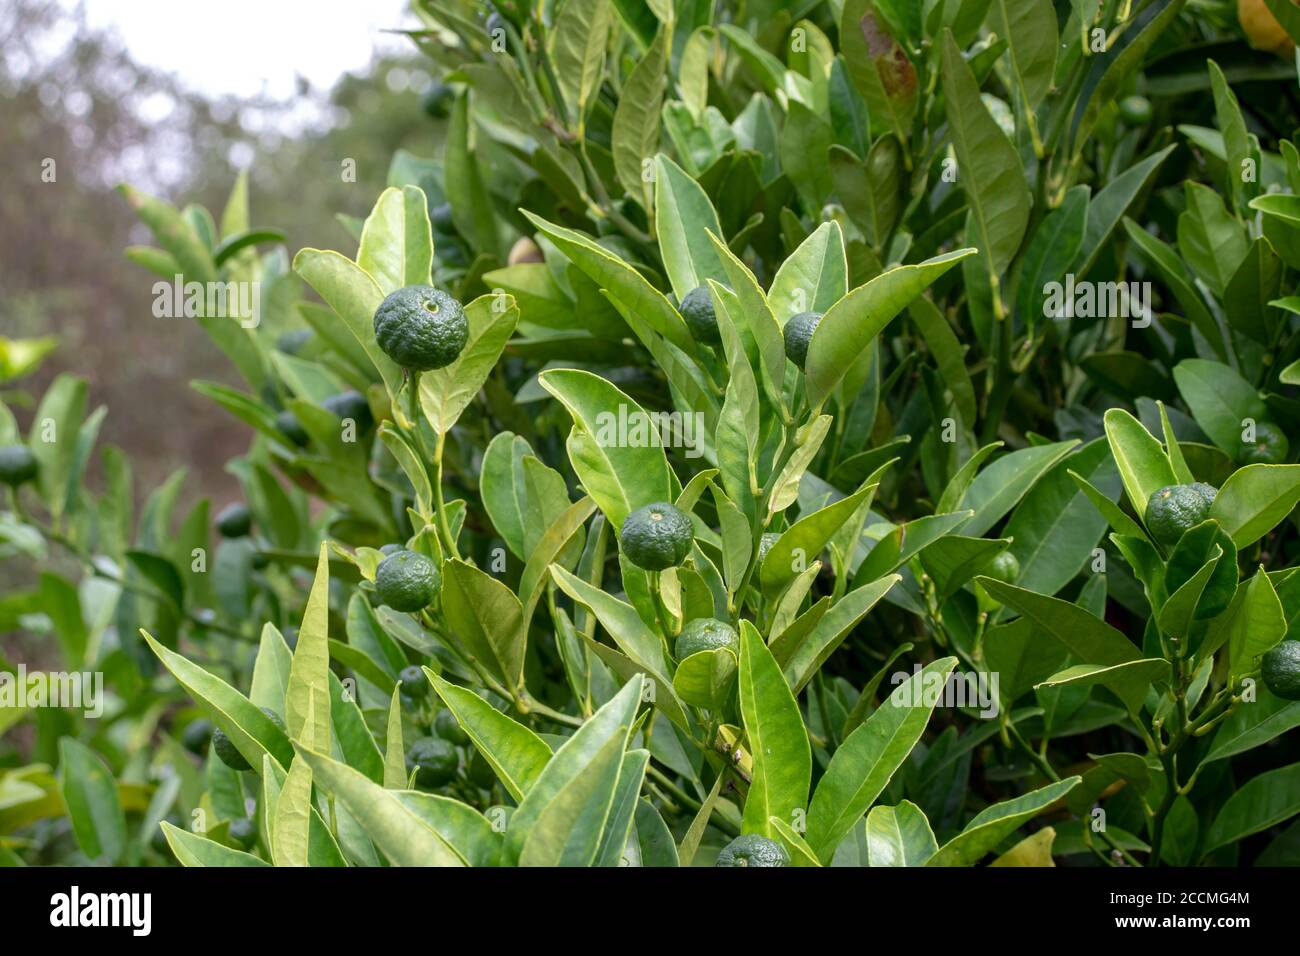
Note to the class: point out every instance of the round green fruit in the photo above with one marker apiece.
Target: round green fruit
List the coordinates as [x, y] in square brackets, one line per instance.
[17, 465]
[697, 310]
[1173, 510]
[1281, 668]
[196, 736]
[407, 581]
[414, 686]
[705, 634]
[434, 761]
[351, 405]
[292, 342]
[657, 536]
[243, 832]
[798, 334]
[1270, 446]
[292, 429]
[226, 750]
[421, 328]
[438, 99]
[446, 726]
[391, 549]
[753, 849]
[1004, 567]
[235, 521]
[1209, 492]
[1135, 111]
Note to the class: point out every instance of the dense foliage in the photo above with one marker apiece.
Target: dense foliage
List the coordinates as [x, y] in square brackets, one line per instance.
[841, 433]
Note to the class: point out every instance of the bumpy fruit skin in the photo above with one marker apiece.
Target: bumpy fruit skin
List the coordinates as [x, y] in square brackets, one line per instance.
[413, 683]
[1004, 567]
[243, 832]
[407, 581]
[1208, 491]
[17, 465]
[351, 405]
[657, 536]
[446, 726]
[697, 310]
[292, 429]
[753, 849]
[798, 334]
[705, 634]
[765, 543]
[1269, 448]
[1281, 667]
[392, 548]
[434, 761]
[1135, 110]
[235, 521]
[1173, 510]
[1262, 29]
[421, 328]
[196, 735]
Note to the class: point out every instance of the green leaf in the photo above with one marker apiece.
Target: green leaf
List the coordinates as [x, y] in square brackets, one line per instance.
[53, 439]
[806, 538]
[194, 850]
[899, 836]
[619, 619]
[397, 831]
[989, 168]
[569, 827]
[1220, 400]
[577, 43]
[1107, 208]
[1130, 680]
[515, 753]
[635, 137]
[991, 826]
[90, 794]
[1261, 802]
[307, 696]
[1030, 29]
[863, 764]
[487, 618]
[619, 473]
[1210, 238]
[471, 204]
[1000, 486]
[706, 678]
[778, 741]
[1253, 623]
[847, 328]
[1254, 500]
[397, 240]
[814, 277]
[1090, 639]
[394, 747]
[684, 217]
[1143, 465]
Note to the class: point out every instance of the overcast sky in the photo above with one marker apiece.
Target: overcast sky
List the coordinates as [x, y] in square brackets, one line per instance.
[246, 47]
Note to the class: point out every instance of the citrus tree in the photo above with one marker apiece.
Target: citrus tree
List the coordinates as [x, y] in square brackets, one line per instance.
[832, 434]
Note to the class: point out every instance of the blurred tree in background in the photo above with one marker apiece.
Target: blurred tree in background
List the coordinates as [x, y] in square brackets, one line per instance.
[74, 106]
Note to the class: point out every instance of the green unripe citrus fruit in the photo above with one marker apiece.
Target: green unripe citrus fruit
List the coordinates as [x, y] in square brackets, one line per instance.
[414, 686]
[196, 736]
[697, 310]
[407, 581]
[446, 726]
[351, 405]
[291, 342]
[243, 832]
[1174, 509]
[421, 328]
[235, 520]
[438, 99]
[1209, 492]
[391, 548]
[705, 634]
[1270, 446]
[753, 849]
[798, 334]
[1004, 567]
[1281, 667]
[434, 761]
[657, 536]
[1135, 110]
[292, 429]
[17, 465]
[227, 751]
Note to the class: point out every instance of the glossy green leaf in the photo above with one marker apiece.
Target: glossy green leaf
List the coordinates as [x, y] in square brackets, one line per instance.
[778, 741]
